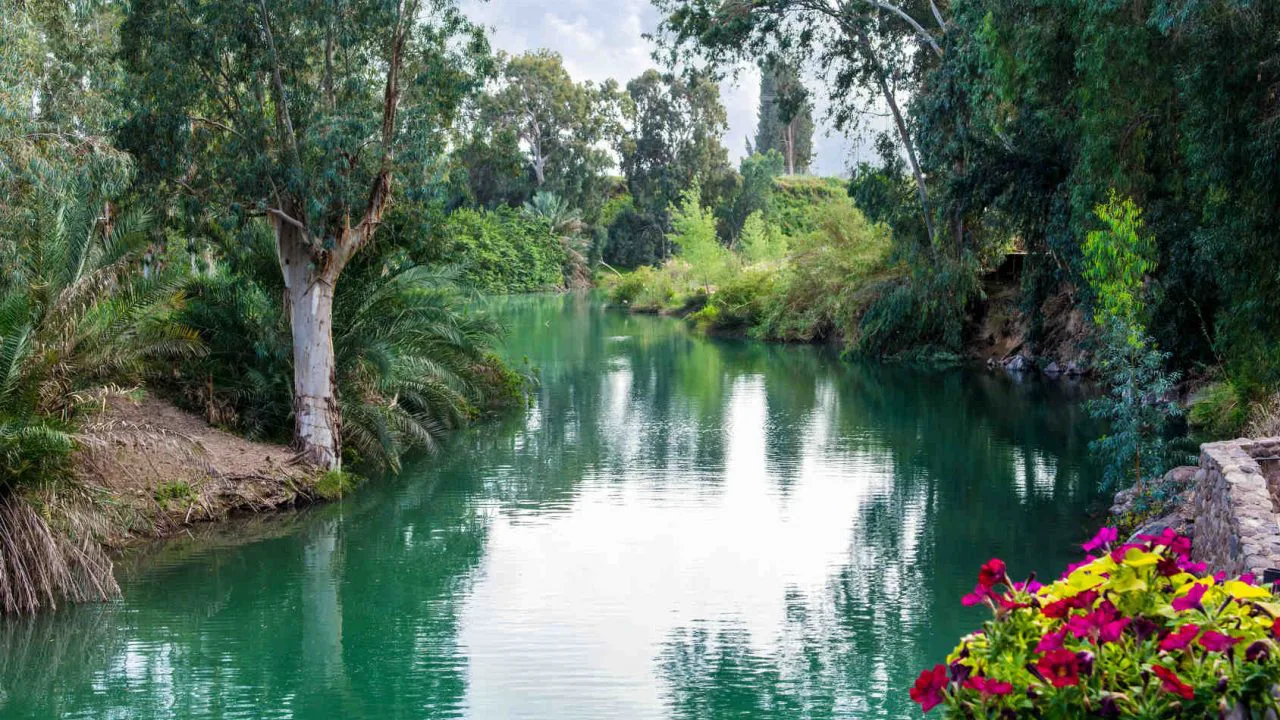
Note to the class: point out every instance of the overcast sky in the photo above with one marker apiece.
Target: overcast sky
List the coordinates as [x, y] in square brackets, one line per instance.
[603, 39]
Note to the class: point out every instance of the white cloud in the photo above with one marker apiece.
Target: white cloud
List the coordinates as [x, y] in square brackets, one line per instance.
[602, 40]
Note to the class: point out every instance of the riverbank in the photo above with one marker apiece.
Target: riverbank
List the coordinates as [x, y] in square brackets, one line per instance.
[159, 469]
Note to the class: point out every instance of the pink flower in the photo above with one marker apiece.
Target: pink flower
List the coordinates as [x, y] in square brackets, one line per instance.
[1176, 543]
[927, 690]
[1117, 555]
[1190, 601]
[1172, 683]
[977, 597]
[1180, 638]
[1091, 624]
[1076, 566]
[1214, 641]
[1195, 568]
[1249, 579]
[1051, 641]
[1112, 631]
[1105, 537]
[991, 574]
[989, 686]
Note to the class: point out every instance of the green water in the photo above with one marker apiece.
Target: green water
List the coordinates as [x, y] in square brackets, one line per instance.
[678, 528]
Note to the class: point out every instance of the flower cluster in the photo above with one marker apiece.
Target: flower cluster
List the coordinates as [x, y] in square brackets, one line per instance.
[1135, 630]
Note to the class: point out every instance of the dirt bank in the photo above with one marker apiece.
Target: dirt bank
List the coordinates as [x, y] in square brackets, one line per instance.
[157, 469]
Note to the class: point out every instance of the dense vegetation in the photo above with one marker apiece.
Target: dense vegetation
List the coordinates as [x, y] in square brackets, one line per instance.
[1013, 125]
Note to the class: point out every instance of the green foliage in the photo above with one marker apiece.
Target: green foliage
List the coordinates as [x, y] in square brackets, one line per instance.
[673, 141]
[785, 124]
[761, 242]
[1117, 261]
[1138, 406]
[549, 129]
[1219, 412]
[825, 286]
[740, 303]
[75, 315]
[694, 233]
[753, 195]
[503, 250]
[335, 484]
[793, 199]
[645, 289]
[921, 314]
[177, 494]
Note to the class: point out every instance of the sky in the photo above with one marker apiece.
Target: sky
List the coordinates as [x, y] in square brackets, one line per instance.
[602, 39]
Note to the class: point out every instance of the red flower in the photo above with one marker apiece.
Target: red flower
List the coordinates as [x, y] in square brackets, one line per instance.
[1214, 641]
[991, 574]
[1171, 683]
[989, 686]
[1180, 638]
[1060, 667]
[1275, 629]
[927, 691]
[1191, 600]
[1092, 624]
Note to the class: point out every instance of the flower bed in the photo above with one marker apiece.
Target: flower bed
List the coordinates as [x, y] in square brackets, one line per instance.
[1139, 630]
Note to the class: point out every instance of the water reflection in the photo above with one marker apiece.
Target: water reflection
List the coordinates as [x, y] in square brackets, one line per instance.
[678, 528]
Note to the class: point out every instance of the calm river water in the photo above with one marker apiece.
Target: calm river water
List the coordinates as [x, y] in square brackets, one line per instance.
[678, 528]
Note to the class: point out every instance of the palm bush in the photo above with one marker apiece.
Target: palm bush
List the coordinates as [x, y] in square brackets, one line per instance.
[567, 225]
[412, 356]
[75, 316]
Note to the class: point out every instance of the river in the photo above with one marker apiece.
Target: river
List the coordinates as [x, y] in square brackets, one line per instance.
[678, 527]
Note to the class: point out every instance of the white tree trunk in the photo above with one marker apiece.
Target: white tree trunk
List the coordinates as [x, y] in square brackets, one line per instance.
[315, 401]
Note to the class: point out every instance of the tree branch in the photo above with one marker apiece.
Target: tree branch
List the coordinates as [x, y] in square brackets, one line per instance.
[277, 79]
[937, 15]
[924, 34]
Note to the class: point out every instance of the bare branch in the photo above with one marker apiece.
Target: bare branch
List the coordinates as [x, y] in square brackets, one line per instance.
[937, 15]
[924, 34]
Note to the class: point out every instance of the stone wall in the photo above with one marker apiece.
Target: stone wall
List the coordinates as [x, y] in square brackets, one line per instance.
[1236, 509]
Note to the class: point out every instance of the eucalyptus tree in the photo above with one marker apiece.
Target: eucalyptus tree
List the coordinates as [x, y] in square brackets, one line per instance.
[306, 114]
[564, 127]
[674, 126]
[868, 49]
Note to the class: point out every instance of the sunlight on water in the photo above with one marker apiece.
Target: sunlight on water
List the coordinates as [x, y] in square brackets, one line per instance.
[678, 528]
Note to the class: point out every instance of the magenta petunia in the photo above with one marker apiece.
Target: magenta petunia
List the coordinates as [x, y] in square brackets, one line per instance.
[1105, 537]
[989, 686]
[1214, 641]
[1190, 601]
[1051, 641]
[1180, 638]
[1173, 684]
[1112, 631]
[1060, 667]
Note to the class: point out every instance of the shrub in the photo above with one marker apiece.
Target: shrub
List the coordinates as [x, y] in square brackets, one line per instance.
[739, 303]
[1140, 631]
[761, 242]
[1219, 412]
[822, 290]
[922, 314]
[1138, 404]
[503, 250]
[694, 232]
